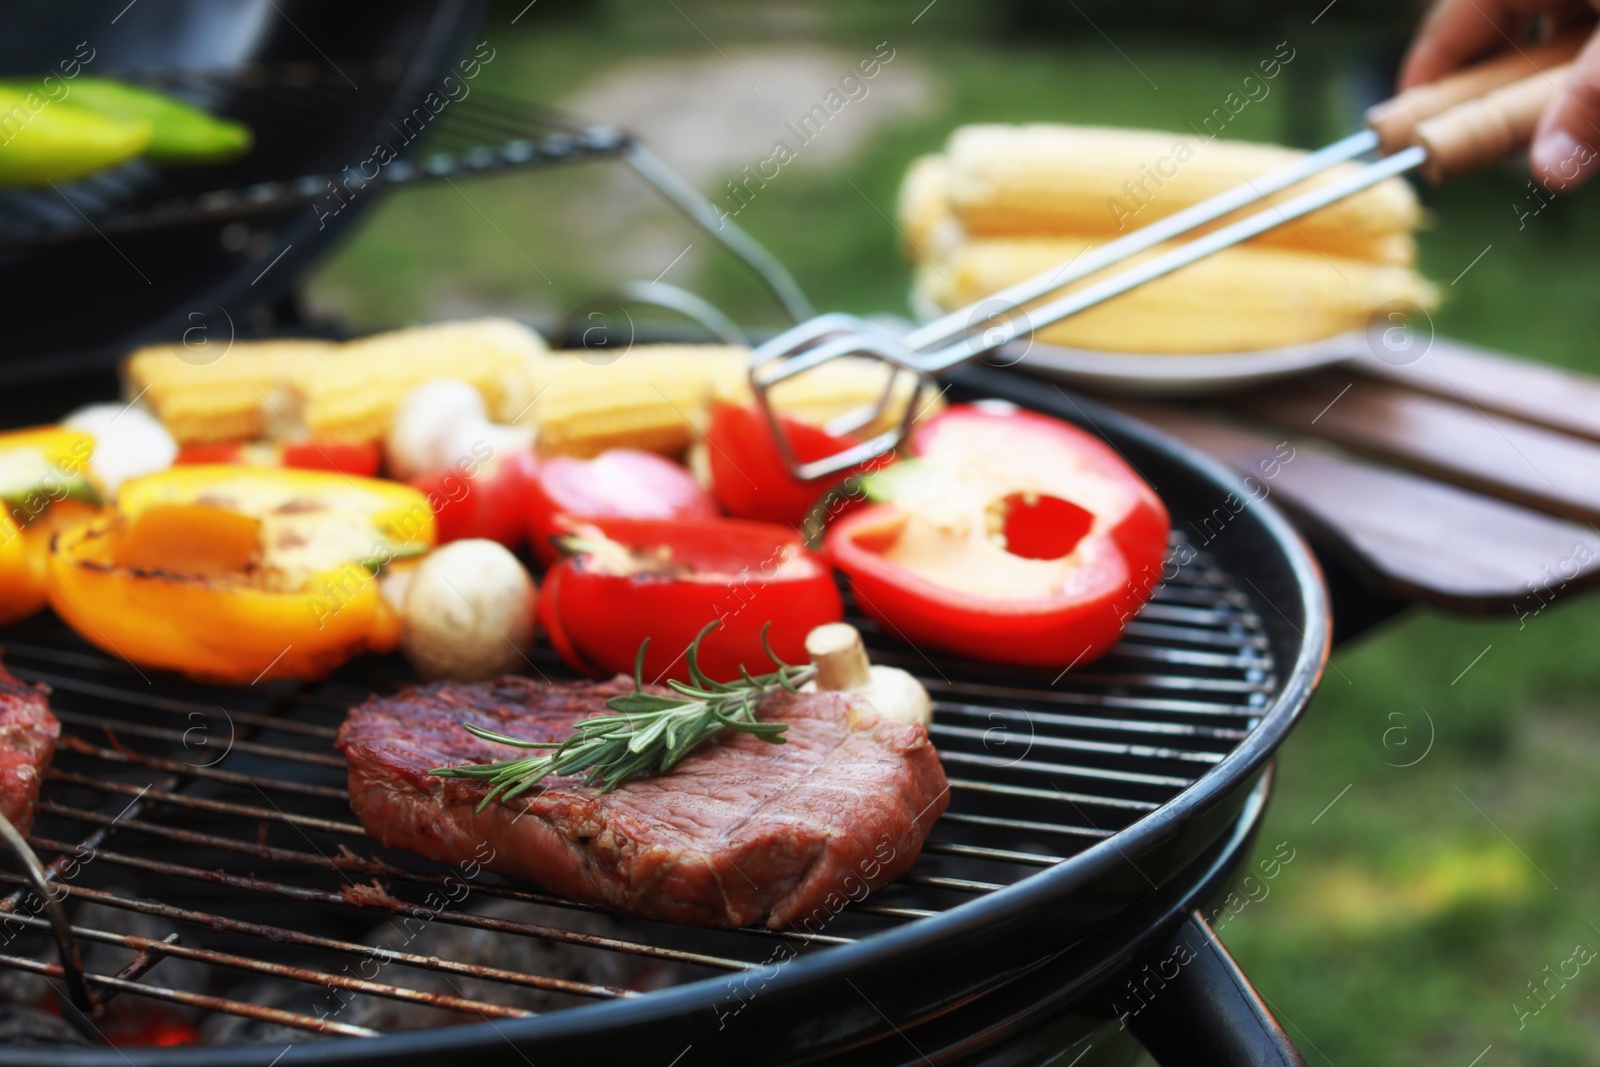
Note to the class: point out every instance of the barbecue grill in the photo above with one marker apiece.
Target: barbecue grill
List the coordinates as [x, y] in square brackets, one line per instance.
[204, 833]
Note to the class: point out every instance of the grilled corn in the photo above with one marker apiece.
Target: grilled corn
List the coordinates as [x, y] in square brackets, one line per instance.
[1239, 299]
[354, 397]
[654, 397]
[226, 399]
[329, 391]
[1048, 179]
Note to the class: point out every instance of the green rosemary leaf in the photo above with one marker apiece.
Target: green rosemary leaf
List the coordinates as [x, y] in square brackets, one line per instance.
[641, 703]
[648, 732]
[506, 739]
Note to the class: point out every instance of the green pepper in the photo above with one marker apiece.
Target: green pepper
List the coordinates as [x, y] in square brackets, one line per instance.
[45, 140]
[180, 132]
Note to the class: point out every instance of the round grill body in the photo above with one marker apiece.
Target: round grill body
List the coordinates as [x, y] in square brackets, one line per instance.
[1091, 809]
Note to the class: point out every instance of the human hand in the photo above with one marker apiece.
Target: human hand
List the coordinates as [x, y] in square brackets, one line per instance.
[1459, 32]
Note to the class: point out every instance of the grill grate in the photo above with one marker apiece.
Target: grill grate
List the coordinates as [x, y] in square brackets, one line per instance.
[222, 814]
[295, 104]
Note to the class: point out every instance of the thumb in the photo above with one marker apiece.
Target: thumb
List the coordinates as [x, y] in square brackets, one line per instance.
[1564, 153]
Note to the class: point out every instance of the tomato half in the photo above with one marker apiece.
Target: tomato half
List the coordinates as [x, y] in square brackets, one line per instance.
[665, 579]
[619, 484]
[1018, 539]
[487, 501]
[360, 458]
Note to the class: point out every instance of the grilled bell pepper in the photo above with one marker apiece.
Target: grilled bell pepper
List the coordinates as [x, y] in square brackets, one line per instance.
[179, 132]
[622, 484]
[236, 574]
[664, 579]
[43, 487]
[748, 474]
[1012, 537]
[48, 140]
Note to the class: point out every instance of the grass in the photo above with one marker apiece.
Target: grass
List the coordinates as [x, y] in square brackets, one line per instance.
[1422, 901]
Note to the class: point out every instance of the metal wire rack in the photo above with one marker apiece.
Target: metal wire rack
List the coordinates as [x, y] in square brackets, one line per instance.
[220, 816]
[466, 132]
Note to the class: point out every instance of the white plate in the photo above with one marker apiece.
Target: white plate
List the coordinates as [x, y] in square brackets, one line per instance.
[1140, 374]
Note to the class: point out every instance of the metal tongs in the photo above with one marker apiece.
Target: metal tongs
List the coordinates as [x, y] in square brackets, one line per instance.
[1448, 127]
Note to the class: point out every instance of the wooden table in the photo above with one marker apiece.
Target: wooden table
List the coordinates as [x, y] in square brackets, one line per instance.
[1468, 479]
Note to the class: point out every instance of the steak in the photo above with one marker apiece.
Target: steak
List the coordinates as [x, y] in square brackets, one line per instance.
[740, 831]
[28, 735]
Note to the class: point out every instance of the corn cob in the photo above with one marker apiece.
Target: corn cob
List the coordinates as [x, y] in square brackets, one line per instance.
[1043, 179]
[354, 396]
[655, 397]
[223, 400]
[1239, 299]
[926, 220]
[330, 391]
[647, 398]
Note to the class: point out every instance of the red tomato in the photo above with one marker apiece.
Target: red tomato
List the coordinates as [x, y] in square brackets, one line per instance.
[350, 457]
[360, 458]
[1080, 543]
[489, 501]
[621, 484]
[689, 572]
[748, 474]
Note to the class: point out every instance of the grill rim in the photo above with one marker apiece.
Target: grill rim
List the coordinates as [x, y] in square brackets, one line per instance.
[1218, 798]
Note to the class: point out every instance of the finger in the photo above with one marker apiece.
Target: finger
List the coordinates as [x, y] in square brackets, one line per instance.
[1457, 32]
[1563, 154]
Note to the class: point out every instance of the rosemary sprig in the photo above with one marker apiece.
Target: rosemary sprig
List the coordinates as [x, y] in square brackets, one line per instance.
[650, 732]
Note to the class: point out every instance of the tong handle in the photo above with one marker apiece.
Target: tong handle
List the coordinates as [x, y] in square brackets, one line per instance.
[1395, 121]
[1479, 132]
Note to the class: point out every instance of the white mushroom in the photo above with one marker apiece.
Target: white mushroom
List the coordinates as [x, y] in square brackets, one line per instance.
[128, 442]
[469, 613]
[443, 424]
[842, 665]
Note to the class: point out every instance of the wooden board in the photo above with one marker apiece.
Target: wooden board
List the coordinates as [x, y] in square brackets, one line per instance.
[1416, 537]
[1450, 440]
[1533, 392]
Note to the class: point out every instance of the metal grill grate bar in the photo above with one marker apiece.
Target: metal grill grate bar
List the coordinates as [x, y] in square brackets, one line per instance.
[1084, 722]
[1066, 770]
[176, 949]
[194, 1000]
[284, 935]
[1077, 745]
[400, 907]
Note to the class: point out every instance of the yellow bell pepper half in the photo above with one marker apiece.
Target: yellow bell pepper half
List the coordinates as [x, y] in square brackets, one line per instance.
[44, 487]
[239, 574]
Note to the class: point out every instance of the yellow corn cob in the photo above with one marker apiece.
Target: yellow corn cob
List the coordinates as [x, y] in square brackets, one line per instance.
[926, 219]
[222, 400]
[1044, 179]
[654, 397]
[338, 392]
[1239, 299]
[650, 397]
[353, 397]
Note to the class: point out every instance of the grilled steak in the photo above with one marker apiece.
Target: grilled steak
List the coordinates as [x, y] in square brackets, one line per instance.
[28, 735]
[740, 831]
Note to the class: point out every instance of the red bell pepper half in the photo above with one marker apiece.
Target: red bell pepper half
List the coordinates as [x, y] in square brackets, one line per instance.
[1012, 537]
[664, 579]
[487, 499]
[621, 484]
[748, 474]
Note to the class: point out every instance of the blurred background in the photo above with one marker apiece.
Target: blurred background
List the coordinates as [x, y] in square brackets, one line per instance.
[1413, 923]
